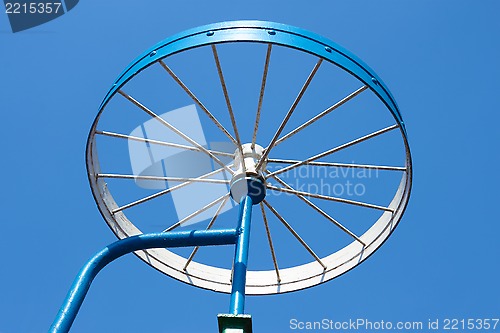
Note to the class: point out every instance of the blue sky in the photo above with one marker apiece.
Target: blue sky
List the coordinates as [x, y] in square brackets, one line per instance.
[440, 61]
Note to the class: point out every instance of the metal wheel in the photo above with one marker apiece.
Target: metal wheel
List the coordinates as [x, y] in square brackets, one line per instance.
[252, 107]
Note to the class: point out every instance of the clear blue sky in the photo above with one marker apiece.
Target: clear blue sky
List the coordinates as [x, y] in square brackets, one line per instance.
[440, 60]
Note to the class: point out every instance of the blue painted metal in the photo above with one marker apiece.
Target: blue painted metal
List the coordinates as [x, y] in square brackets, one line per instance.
[262, 32]
[225, 32]
[81, 285]
[237, 304]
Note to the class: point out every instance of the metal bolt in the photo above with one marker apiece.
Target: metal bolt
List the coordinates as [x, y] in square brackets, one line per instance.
[210, 33]
[152, 53]
[271, 32]
[374, 80]
[328, 49]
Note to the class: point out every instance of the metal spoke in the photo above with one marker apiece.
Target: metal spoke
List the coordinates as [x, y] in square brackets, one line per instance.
[340, 165]
[228, 101]
[294, 233]
[171, 179]
[319, 210]
[162, 143]
[175, 130]
[326, 197]
[268, 232]
[321, 115]
[168, 190]
[212, 221]
[289, 114]
[197, 101]
[261, 95]
[199, 211]
[336, 149]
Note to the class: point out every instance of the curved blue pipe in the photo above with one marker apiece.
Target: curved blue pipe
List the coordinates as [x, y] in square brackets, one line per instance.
[81, 285]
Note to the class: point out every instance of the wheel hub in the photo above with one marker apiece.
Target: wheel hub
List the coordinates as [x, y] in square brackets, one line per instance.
[247, 180]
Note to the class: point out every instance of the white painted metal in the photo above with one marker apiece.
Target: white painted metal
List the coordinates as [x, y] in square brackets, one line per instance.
[321, 115]
[326, 197]
[210, 224]
[157, 142]
[174, 129]
[171, 179]
[271, 281]
[319, 210]
[199, 211]
[247, 164]
[270, 240]
[289, 113]
[336, 149]
[339, 165]
[168, 190]
[294, 233]
[261, 95]
[197, 101]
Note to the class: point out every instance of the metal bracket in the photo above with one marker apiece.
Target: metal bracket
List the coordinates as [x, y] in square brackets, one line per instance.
[229, 323]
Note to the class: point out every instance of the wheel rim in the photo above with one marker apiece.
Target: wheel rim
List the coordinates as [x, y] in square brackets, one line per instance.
[276, 280]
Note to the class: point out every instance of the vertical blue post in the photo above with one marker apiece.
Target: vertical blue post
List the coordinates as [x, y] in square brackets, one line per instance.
[237, 304]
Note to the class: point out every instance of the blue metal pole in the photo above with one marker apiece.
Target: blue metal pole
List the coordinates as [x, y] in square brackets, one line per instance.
[237, 304]
[81, 285]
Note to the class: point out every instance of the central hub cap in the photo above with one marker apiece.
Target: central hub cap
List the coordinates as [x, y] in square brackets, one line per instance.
[247, 180]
